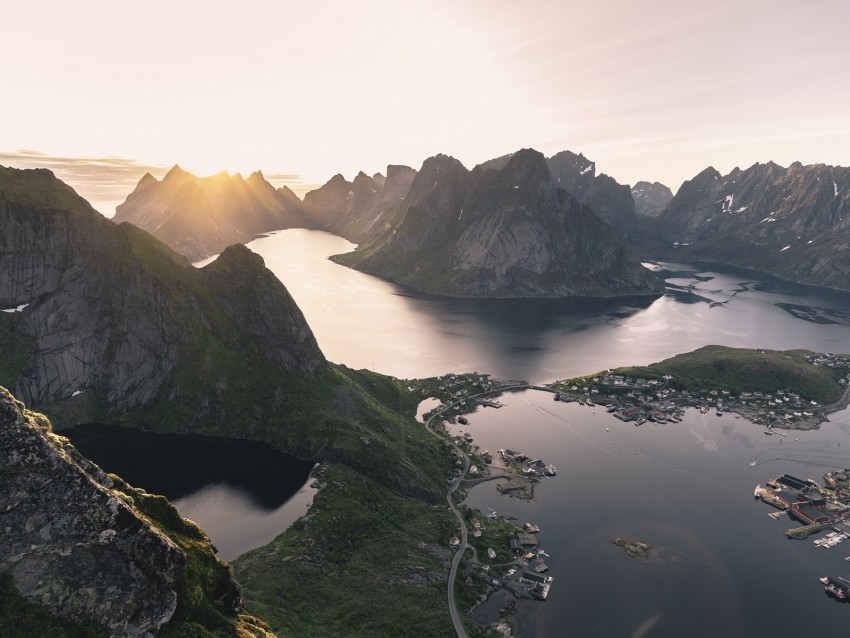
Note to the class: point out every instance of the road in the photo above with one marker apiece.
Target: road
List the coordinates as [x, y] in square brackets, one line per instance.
[456, 621]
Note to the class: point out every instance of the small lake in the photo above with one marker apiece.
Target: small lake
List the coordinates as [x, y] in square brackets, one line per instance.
[243, 494]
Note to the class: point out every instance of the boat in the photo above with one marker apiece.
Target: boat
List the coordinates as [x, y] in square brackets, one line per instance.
[768, 432]
[531, 528]
[835, 587]
[550, 470]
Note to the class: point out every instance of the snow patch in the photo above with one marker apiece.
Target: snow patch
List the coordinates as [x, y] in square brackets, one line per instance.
[517, 186]
[810, 241]
[77, 393]
[461, 214]
[834, 188]
[586, 168]
[741, 210]
[17, 308]
[786, 248]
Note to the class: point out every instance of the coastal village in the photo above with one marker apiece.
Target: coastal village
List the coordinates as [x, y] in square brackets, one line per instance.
[821, 509]
[507, 562]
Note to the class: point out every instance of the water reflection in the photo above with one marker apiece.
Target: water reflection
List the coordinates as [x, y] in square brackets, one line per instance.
[242, 493]
[366, 322]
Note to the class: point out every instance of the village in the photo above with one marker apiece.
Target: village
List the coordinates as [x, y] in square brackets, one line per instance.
[638, 400]
[819, 508]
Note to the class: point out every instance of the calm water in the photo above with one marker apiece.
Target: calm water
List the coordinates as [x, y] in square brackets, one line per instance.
[242, 493]
[687, 488]
[365, 322]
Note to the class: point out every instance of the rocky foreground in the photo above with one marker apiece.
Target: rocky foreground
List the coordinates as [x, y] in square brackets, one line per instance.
[77, 545]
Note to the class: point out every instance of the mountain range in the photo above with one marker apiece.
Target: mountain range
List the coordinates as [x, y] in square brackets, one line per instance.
[200, 217]
[783, 221]
[501, 232]
[792, 222]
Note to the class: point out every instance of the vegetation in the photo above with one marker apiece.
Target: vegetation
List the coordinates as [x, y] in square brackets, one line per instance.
[365, 561]
[39, 188]
[207, 594]
[741, 369]
[20, 619]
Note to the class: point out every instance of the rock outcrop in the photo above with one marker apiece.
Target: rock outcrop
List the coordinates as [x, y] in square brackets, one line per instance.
[93, 550]
[501, 232]
[70, 543]
[199, 217]
[111, 318]
[610, 200]
[792, 222]
[363, 209]
[651, 198]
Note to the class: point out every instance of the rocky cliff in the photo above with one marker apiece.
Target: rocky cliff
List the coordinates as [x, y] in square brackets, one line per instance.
[199, 217]
[363, 209]
[501, 232]
[77, 543]
[651, 198]
[109, 318]
[792, 222]
[610, 200]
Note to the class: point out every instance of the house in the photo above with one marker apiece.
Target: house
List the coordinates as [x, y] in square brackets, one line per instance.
[791, 481]
[807, 514]
[491, 553]
[454, 540]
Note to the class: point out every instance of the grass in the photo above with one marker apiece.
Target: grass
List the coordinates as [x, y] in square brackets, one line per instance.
[206, 591]
[741, 369]
[366, 561]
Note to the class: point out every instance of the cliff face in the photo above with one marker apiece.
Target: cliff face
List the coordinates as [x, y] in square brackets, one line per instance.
[92, 550]
[107, 311]
[363, 209]
[199, 217]
[610, 200]
[651, 198]
[792, 222]
[71, 544]
[502, 232]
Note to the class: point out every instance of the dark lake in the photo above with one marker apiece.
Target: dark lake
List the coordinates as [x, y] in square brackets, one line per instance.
[242, 493]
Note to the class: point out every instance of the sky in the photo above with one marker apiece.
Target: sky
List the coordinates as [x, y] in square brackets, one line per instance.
[102, 91]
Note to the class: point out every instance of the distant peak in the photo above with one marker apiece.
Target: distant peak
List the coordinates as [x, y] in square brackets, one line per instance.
[175, 172]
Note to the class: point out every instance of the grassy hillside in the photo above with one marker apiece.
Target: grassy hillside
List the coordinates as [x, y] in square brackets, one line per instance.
[742, 369]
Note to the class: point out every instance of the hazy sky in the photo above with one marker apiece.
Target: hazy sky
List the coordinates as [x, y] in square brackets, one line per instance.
[649, 89]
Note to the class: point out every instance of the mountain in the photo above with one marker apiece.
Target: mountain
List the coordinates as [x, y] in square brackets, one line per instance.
[610, 200]
[98, 555]
[199, 217]
[105, 323]
[115, 327]
[651, 198]
[363, 209]
[576, 175]
[110, 312]
[791, 222]
[501, 232]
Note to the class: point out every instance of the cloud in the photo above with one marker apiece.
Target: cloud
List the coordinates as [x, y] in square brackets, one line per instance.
[105, 182]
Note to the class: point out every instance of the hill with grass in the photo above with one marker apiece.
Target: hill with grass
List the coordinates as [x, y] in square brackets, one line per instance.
[745, 370]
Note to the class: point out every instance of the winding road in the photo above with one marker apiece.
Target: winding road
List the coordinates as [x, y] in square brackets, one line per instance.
[456, 621]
